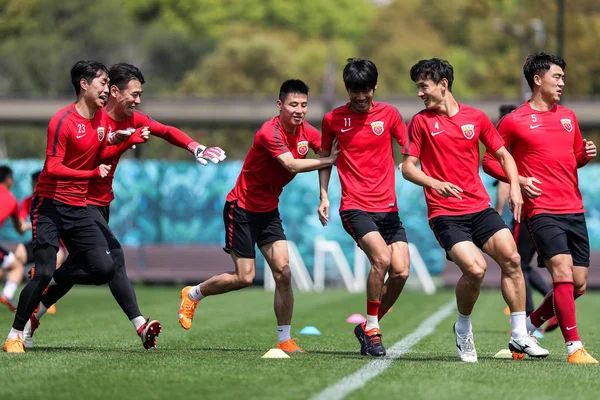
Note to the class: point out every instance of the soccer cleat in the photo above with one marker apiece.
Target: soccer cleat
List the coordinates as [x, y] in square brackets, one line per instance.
[465, 346]
[551, 325]
[29, 330]
[581, 356]
[11, 306]
[373, 344]
[52, 309]
[527, 345]
[186, 308]
[517, 356]
[148, 333]
[14, 345]
[359, 332]
[289, 346]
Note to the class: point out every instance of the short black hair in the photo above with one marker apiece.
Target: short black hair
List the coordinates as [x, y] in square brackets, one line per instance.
[85, 69]
[435, 69]
[5, 173]
[539, 64]
[505, 109]
[360, 74]
[35, 176]
[292, 86]
[121, 74]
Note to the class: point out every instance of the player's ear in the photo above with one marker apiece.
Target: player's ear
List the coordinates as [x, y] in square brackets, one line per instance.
[537, 80]
[375, 88]
[444, 84]
[83, 84]
[279, 104]
[114, 90]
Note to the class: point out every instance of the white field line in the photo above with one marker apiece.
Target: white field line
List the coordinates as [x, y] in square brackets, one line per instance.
[360, 378]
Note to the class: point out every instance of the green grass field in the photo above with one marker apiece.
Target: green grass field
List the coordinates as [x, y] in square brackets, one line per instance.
[89, 350]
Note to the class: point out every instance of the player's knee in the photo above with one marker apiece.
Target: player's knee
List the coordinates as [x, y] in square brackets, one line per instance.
[476, 271]
[101, 265]
[245, 280]
[283, 277]
[45, 264]
[400, 275]
[382, 262]
[513, 261]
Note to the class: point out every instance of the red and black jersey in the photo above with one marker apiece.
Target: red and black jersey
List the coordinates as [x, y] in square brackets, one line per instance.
[448, 148]
[263, 177]
[9, 205]
[366, 163]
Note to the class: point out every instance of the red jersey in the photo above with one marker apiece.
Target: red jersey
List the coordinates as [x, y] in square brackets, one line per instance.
[77, 141]
[25, 207]
[448, 148]
[9, 205]
[546, 145]
[262, 179]
[366, 162]
[100, 191]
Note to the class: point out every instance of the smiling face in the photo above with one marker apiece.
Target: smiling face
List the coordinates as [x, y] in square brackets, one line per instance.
[550, 85]
[127, 99]
[361, 101]
[292, 110]
[96, 92]
[431, 93]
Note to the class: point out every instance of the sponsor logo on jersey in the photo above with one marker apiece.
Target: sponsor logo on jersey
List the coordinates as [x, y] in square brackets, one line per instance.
[566, 123]
[377, 127]
[100, 133]
[468, 131]
[303, 148]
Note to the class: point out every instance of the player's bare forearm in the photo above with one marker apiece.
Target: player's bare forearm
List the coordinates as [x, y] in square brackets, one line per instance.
[508, 165]
[324, 177]
[414, 174]
[493, 168]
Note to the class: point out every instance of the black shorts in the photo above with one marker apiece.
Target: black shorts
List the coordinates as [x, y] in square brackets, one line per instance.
[524, 242]
[100, 215]
[477, 228]
[244, 229]
[561, 234]
[53, 220]
[358, 223]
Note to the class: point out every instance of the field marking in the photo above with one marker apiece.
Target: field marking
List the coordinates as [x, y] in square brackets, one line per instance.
[360, 378]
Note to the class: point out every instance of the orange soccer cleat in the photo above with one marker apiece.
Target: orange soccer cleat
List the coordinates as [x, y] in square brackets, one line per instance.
[581, 356]
[14, 345]
[11, 306]
[289, 346]
[186, 308]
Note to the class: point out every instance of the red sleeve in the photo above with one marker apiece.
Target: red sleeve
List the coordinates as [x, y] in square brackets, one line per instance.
[56, 169]
[113, 153]
[578, 148]
[328, 134]
[58, 134]
[169, 133]
[414, 140]
[24, 208]
[488, 135]
[270, 138]
[398, 127]
[491, 165]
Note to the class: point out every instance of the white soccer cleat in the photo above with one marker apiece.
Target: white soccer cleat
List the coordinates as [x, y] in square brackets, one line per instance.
[30, 327]
[465, 346]
[527, 345]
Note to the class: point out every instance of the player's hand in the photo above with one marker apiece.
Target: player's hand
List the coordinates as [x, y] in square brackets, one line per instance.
[447, 189]
[102, 170]
[140, 135]
[515, 201]
[589, 148]
[323, 211]
[335, 151]
[120, 136]
[203, 153]
[528, 186]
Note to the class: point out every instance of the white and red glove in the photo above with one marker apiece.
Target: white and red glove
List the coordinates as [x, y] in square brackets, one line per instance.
[203, 153]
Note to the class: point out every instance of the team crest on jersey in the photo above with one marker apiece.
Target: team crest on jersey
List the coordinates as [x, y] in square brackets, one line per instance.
[377, 127]
[566, 123]
[303, 147]
[100, 133]
[468, 131]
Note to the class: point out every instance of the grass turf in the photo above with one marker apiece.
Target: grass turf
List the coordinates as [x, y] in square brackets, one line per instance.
[89, 350]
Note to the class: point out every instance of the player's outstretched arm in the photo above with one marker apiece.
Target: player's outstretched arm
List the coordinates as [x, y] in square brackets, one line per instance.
[295, 166]
[204, 154]
[113, 153]
[414, 174]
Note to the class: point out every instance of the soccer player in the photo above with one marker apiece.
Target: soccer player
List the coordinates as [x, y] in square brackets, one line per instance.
[251, 213]
[76, 135]
[368, 209]
[9, 207]
[125, 95]
[445, 138]
[24, 251]
[546, 143]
